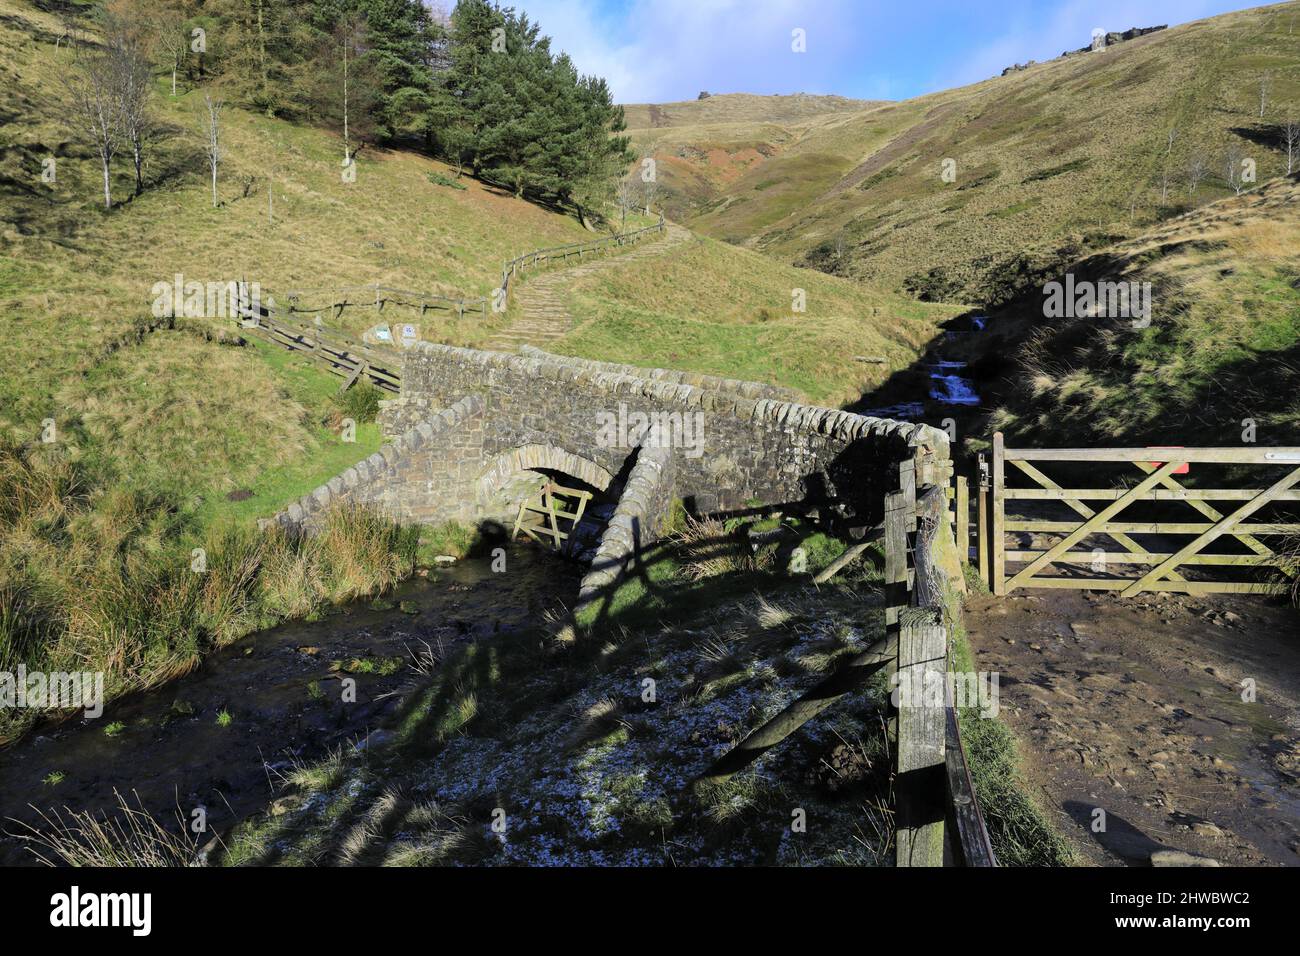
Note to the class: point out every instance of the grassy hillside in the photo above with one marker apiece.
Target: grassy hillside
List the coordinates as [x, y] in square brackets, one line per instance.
[75, 280]
[709, 307]
[1072, 147]
[703, 147]
[126, 443]
[1223, 345]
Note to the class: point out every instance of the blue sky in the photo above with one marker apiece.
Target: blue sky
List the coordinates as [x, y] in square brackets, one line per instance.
[666, 50]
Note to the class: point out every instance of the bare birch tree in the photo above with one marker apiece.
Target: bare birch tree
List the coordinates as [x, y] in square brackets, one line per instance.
[69, 28]
[1291, 140]
[94, 114]
[1235, 179]
[625, 196]
[213, 128]
[649, 191]
[169, 23]
[132, 80]
[352, 39]
[1265, 88]
[1198, 167]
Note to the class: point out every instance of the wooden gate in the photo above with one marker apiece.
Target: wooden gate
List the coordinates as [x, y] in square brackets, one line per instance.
[1089, 547]
[540, 518]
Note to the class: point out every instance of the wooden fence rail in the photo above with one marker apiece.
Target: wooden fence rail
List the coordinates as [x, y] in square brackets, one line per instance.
[378, 296]
[339, 353]
[562, 253]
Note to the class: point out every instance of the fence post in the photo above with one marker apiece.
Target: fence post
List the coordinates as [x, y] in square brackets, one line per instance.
[963, 520]
[907, 484]
[982, 533]
[896, 589]
[996, 533]
[896, 522]
[920, 787]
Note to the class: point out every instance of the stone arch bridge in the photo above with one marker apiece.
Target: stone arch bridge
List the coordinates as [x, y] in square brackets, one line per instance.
[471, 428]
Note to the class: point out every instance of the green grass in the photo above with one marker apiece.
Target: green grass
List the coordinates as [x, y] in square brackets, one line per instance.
[1222, 346]
[1019, 830]
[167, 440]
[1041, 155]
[451, 539]
[709, 307]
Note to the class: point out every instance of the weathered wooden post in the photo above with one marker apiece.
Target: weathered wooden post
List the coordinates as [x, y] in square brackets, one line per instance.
[996, 533]
[897, 518]
[920, 787]
[982, 542]
[963, 520]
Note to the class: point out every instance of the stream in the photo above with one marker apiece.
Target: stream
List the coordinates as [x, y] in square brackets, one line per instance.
[944, 376]
[218, 737]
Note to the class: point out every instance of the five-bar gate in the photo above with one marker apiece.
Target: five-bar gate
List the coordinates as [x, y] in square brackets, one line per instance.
[1147, 528]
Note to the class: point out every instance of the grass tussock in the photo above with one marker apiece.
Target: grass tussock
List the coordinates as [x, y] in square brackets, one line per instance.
[126, 584]
[709, 548]
[1290, 567]
[129, 837]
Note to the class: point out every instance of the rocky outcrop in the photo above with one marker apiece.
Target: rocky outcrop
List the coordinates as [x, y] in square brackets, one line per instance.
[1110, 39]
[1016, 68]
[1113, 38]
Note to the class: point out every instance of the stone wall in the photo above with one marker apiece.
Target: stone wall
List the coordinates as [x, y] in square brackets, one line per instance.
[709, 383]
[639, 520]
[426, 475]
[751, 450]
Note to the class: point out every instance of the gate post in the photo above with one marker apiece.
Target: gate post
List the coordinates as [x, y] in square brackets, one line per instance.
[963, 520]
[997, 534]
[982, 533]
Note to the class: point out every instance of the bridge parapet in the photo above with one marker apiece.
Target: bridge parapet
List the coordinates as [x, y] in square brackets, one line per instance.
[710, 383]
[405, 478]
[731, 450]
[640, 517]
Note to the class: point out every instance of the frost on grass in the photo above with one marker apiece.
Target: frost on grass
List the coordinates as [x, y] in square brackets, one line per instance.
[600, 775]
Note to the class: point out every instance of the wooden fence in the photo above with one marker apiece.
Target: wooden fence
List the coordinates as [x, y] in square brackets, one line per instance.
[1173, 557]
[937, 812]
[339, 353]
[562, 253]
[378, 296]
[335, 301]
[354, 360]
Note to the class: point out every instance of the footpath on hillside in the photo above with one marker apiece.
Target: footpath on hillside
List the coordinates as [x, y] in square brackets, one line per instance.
[543, 299]
[1174, 715]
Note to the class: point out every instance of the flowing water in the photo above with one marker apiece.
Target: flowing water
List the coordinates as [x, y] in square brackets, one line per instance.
[948, 384]
[282, 692]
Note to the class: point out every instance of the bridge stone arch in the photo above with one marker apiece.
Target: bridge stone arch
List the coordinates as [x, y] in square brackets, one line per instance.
[535, 457]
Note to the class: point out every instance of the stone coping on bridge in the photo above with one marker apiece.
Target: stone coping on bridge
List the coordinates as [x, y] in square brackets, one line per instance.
[712, 383]
[375, 469]
[639, 519]
[830, 422]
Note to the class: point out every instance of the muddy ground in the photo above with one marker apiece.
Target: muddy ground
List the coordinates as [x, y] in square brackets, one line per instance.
[1136, 707]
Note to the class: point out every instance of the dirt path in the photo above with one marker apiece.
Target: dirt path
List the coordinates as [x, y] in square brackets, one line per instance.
[1135, 707]
[543, 300]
